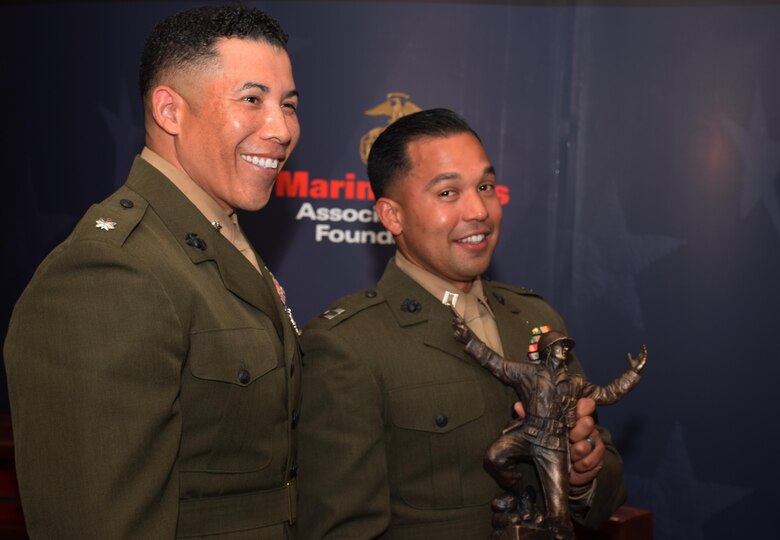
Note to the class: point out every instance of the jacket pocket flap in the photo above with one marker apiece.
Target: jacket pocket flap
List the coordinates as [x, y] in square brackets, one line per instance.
[438, 408]
[235, 355]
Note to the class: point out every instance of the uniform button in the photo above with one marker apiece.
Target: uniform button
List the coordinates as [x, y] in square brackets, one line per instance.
[295, 417]
[370, 294]
[126, 203]
[243, 376]
[442, 420]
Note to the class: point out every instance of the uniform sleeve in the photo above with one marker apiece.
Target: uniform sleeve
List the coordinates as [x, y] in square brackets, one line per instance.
[93, 359]
[342, 473]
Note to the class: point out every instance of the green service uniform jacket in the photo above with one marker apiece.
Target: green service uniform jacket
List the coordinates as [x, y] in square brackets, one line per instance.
[153, 378]
[396, 417]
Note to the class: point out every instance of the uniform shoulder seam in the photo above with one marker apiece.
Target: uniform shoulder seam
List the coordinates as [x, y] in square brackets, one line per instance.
[514, 288]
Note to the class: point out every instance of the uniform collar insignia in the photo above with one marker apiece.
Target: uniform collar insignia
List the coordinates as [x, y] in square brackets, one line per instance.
[410, 305]
[193, 240]
[450, 299]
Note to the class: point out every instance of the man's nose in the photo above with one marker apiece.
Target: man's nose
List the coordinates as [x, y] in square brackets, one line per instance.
[475, 208]
[275, 125]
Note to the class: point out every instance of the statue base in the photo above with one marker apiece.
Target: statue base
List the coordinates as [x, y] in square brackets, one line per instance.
[517, 532]
[515, 517]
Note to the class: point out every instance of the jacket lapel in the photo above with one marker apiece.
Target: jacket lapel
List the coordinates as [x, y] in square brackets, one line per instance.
[411, 304]
[201, 242]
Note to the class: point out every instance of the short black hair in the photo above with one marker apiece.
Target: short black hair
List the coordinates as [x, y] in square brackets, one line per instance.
[388, 159]
[187, 39]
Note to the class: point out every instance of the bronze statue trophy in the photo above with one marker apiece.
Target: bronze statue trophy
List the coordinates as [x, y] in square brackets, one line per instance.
[549, 394]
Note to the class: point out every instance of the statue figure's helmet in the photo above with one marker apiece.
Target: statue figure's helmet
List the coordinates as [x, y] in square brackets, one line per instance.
[552, 337]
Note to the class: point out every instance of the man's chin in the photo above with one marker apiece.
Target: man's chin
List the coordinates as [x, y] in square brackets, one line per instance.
[253, 202]
[468, 275]
[477, 269]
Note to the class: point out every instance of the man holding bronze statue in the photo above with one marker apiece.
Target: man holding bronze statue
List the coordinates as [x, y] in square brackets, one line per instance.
[396, 416]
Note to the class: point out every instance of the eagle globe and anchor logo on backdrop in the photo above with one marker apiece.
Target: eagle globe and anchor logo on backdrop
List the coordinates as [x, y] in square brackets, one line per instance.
[396, 106]
[357, 224]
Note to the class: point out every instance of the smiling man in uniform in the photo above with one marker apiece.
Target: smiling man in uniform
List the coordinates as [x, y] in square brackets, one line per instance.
[396, 416]
[153, 369]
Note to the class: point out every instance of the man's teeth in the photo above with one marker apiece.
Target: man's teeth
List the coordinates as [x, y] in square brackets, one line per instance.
[266, 163]
[475, 239]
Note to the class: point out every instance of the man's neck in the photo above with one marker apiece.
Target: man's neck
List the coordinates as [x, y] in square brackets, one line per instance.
[429, 280]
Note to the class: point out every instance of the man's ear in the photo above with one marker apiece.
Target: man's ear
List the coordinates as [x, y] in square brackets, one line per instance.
[166, 106]
[390, 214]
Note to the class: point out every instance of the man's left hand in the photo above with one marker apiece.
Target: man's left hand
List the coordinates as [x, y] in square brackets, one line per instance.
[586, 459]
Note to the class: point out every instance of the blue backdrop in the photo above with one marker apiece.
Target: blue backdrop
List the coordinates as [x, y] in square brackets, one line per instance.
[638, 146]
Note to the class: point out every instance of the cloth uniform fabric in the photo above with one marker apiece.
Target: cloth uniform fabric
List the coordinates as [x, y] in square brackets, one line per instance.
[396, 417]
[154, 380]
[472, 306]
[226, 224]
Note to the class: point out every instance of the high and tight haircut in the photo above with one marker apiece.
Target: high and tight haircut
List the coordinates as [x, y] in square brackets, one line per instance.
[188, 39]
[388, 159]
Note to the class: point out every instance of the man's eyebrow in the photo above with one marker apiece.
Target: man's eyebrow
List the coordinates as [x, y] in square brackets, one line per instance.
[451, 175]
[439, 178]
[265, 89]
[254, 85]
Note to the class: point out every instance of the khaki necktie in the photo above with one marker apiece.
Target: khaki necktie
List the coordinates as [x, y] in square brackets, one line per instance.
[478, 318]
[240, 242]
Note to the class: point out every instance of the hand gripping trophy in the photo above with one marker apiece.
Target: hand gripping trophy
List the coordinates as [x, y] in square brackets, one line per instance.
[549, 394]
